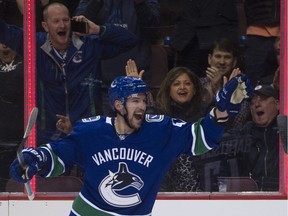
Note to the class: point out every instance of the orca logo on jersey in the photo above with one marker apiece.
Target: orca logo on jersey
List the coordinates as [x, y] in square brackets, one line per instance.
[117, 182]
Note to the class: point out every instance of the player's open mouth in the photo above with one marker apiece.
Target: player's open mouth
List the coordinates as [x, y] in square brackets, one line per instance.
[138, 116]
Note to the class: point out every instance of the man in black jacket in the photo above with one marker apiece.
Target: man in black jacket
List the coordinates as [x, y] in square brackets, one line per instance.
[252, 151]
[263, 157]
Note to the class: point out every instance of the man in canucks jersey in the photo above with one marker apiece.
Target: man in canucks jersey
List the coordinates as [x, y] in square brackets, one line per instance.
[125, 158]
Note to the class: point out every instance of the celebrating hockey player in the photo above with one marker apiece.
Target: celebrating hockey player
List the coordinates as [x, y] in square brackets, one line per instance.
[125, 158]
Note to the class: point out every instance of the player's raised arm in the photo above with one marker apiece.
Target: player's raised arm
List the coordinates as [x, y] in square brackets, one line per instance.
[207, 135]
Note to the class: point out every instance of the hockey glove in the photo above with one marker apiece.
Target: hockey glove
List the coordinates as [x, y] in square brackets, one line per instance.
[34, 159]
[233, 93]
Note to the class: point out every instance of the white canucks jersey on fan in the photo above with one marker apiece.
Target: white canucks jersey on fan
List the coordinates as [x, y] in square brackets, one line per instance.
[122, 174]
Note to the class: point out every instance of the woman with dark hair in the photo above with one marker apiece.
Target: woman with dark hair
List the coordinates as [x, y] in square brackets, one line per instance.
[181, 96]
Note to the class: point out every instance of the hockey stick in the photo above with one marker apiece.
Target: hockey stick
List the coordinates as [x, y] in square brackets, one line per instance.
[30, 124]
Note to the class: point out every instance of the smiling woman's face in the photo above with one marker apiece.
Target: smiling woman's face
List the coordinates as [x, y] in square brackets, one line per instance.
[182, 89]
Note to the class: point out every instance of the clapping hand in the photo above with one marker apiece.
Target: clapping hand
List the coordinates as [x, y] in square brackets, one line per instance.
[214, 75]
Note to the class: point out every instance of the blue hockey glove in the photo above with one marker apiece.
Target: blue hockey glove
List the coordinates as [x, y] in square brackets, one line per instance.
[33, 159]
[233, 93]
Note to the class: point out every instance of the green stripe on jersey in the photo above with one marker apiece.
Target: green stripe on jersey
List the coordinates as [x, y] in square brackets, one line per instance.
[57, 167]
[83, 208]
[200, 147]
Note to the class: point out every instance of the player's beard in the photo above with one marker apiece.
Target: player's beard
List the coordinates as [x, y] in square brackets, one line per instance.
[134, 122]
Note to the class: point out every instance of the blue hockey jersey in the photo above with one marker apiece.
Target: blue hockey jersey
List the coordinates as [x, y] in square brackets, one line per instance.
[122, 176]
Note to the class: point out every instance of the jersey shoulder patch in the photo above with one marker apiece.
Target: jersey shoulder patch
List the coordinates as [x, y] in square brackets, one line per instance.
[91, 119]
[154, 118]
[178, 122]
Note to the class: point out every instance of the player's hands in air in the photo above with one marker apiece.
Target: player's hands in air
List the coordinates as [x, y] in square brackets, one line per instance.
[33, 159]
[234, 73]
[233, 93]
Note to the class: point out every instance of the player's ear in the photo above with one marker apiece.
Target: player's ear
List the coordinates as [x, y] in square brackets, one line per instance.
[118, 105]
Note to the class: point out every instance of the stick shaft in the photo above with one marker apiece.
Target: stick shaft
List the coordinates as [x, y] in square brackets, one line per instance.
[30, 124]
[29, 190]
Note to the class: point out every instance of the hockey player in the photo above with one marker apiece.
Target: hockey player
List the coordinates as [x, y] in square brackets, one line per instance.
[126, 157]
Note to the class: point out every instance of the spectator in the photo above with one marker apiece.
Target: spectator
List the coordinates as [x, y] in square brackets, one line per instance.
[11, 108]
[198, 25]
[222, 60]
[253, 150]
[264, 154]
[125, 158]
[263, 23]
[141, 17]
[181, 96]
[68, 66]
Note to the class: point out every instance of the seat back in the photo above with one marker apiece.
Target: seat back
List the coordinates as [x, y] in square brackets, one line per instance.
[237, 184]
